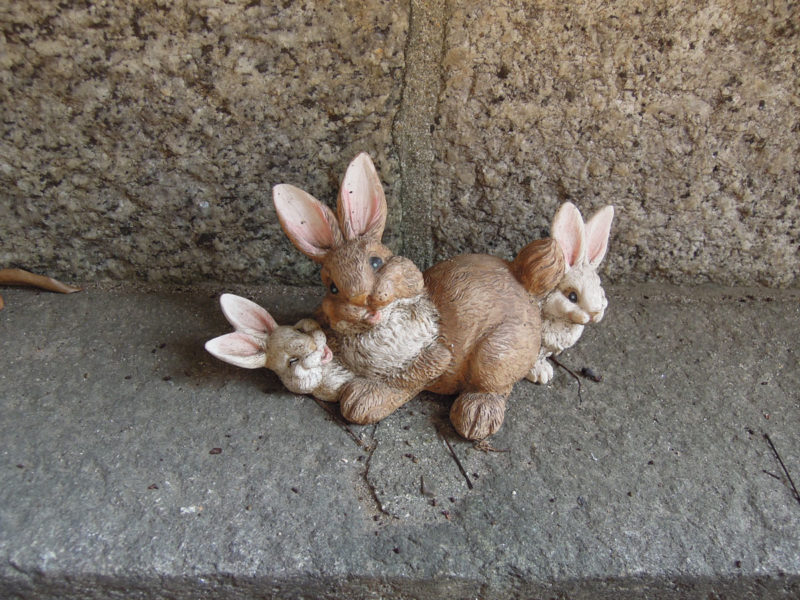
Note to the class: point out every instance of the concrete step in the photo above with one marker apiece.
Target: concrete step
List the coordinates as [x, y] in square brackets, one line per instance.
[134, 465]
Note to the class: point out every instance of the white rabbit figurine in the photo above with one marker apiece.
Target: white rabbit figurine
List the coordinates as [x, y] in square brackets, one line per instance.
[299, 355]
[579, 298]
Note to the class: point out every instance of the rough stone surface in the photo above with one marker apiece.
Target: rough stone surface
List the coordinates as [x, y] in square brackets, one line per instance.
[683, 115]
[133, 465]
[414, 124]
[141, 140]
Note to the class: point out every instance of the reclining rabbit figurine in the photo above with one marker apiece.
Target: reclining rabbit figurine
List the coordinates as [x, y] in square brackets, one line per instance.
[469, 326]
[299, 355]
[579, 298]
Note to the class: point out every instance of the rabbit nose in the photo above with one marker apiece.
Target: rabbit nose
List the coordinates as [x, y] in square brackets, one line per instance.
[594, 317]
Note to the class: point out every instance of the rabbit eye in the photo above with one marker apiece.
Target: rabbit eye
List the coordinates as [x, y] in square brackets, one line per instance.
[334, 290]
[293, 361]
[572, 297]
[375, 262]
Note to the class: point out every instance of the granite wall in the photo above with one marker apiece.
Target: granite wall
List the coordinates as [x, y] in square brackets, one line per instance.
[140, 140]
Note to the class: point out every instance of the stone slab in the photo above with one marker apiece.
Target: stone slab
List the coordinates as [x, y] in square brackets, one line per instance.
[140, 141]
[133, 465]
[684, 116]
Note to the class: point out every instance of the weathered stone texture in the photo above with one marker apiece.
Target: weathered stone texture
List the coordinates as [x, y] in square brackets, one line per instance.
[141, 139]
[686, 116]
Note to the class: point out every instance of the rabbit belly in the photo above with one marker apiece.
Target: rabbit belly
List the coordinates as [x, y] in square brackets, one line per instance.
[409, 326]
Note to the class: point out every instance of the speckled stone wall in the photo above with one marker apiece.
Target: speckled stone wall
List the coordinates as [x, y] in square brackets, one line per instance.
[140, 140]
[684, 115]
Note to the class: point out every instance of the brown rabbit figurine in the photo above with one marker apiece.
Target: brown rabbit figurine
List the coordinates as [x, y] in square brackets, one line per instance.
[382, 324]
[471, 325]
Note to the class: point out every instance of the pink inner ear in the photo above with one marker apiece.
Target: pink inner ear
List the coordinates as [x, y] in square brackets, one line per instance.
[246, 316]
[362, 202]
[310, 225]
[236, 344]
[598, 230]
[568, 230]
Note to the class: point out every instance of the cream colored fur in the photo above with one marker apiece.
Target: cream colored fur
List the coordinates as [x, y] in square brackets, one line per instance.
[407, 326]
[579, 299]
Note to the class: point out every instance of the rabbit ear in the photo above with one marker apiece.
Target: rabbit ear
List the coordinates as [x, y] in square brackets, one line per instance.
[309, 224]
[246, 316]
[568, 229]
[238, 349]
[362, 203]
[598, 229]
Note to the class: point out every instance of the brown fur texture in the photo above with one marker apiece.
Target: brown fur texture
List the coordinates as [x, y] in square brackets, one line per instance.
[539, 266]
[382, 323]
[490, 322]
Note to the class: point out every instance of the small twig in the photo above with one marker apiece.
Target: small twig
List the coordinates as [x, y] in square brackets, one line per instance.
[343, 424]
[795, 493]
[771, 475]
[455, 458]
[568, 370]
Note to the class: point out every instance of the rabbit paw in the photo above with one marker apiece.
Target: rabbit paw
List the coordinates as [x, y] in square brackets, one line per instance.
[366, 401]
[476, 416]
[542, 372]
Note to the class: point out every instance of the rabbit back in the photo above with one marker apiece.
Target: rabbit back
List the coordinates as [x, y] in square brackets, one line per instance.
[488, 320]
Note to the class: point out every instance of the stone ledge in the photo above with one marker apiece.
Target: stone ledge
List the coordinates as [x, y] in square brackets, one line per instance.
[658, 483]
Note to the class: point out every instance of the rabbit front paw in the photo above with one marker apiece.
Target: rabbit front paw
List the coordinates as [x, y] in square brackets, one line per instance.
[366, 401]
[542, 372]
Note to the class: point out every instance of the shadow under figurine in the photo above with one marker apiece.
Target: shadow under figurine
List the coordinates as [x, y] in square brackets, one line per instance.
[470, 325]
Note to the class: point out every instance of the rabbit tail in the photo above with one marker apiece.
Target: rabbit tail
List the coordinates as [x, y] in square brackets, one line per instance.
[539, 267]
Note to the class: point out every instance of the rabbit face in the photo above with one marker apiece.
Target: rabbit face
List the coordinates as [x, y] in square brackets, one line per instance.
[354, 275]
[355, 265]
[297, 356]
[579, 298]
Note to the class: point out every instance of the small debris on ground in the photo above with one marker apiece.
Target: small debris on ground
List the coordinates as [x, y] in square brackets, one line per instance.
[589, 373]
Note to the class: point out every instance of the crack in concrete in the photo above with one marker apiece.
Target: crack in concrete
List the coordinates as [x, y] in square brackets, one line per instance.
[370, 453]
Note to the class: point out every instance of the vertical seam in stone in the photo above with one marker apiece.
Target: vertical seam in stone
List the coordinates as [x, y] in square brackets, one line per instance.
[412, 126]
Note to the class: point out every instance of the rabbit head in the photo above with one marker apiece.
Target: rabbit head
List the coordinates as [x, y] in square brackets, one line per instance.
[294, 353]
[579, 297]
[361, 275]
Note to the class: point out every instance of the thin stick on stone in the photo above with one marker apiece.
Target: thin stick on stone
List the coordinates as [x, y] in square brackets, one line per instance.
[795, 493]
[568, 370]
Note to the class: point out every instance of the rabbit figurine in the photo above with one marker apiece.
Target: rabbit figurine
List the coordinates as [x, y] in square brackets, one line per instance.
[469, 326]
[299, 355]
[381, 324]
[579, 299]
